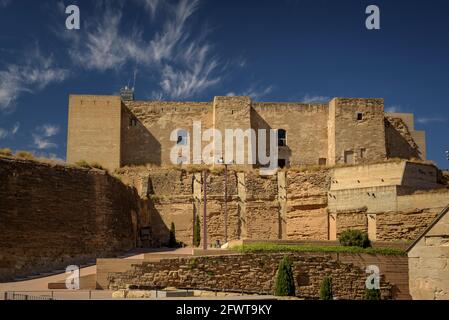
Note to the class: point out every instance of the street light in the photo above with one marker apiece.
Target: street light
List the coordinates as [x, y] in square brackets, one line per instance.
[205, 210]
[221, 161]
[447, 155]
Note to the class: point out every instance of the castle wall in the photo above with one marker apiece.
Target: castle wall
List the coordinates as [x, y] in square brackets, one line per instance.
[306, 126]
[94, 130]
[380, 198]
[355, 131]
[306, 206]
[428, 263]
[256, 273]
[365, 176]
[148, 142]
[233, 113]
[262, 207]
[53, 216]
[353, 139]
[373, 199]
[402, 140]
[297, 205]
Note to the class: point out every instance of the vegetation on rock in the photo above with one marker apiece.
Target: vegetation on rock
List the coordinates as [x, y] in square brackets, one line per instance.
[267, 247]
[354, 238]
[372, 294]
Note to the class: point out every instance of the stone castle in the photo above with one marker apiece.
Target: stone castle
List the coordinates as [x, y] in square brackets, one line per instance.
[347, 165]
[369, 165]
[118, 131]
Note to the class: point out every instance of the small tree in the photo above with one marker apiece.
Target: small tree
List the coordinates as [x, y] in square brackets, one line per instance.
[326, 289]
[197, 232]
[354, 238]
[285, 283]
[172, 243]
[372, 294]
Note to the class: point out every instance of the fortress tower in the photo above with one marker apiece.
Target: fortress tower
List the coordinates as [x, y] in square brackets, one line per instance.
[117, 132]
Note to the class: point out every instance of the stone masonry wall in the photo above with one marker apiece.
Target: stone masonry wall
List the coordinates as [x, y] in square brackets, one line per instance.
[364, 137]
[52, 216]
[291, 205]
[306, 212]
[249, 273]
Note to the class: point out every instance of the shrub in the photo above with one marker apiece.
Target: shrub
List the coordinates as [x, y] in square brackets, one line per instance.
[6, 152]
[25, 155]
[98, 166]
[197, 232]
[93, 165]
[285, 283]
[326, 289]
[83, 164]
[372, 294]
[354, 238]
[172, 243]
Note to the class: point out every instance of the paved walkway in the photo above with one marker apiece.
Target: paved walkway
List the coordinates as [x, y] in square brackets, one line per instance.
[39, 286]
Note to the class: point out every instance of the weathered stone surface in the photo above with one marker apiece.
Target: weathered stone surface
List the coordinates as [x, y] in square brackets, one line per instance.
[140, 132]
[249, 273]
[54, 216]
[429, 262]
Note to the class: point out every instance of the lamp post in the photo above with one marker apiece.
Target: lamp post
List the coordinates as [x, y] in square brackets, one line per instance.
[205, 211]
[221, 161]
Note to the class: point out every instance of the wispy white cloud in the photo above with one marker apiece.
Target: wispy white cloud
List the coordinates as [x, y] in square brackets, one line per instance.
[393, 109]
[191, 78]
[106, 46]
[42, 143]
[49, 155]
[16, 128]
[152, 6]
[184, 63]
[308, 98]
[174, 31]
[430, 120]
[9, 133]
[3, 133]
[256, 93]
[49, 130]
[36, 73]
[42, 135]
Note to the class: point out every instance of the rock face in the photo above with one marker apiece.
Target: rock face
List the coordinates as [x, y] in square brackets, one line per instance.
[54, 216]
[253, 273]
[381, 199]
[306, 205]
[288, 205]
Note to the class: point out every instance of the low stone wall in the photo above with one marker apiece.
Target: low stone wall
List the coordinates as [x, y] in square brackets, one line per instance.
[250, 273]
[52, 216]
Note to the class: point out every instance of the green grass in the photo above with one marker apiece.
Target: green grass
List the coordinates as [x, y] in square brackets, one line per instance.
[262, 247]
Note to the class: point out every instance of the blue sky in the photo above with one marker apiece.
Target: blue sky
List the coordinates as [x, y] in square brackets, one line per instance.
[192, 50]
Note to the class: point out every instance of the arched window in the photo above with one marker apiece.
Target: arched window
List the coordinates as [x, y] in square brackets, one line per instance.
[282, 138]
[182, 137]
